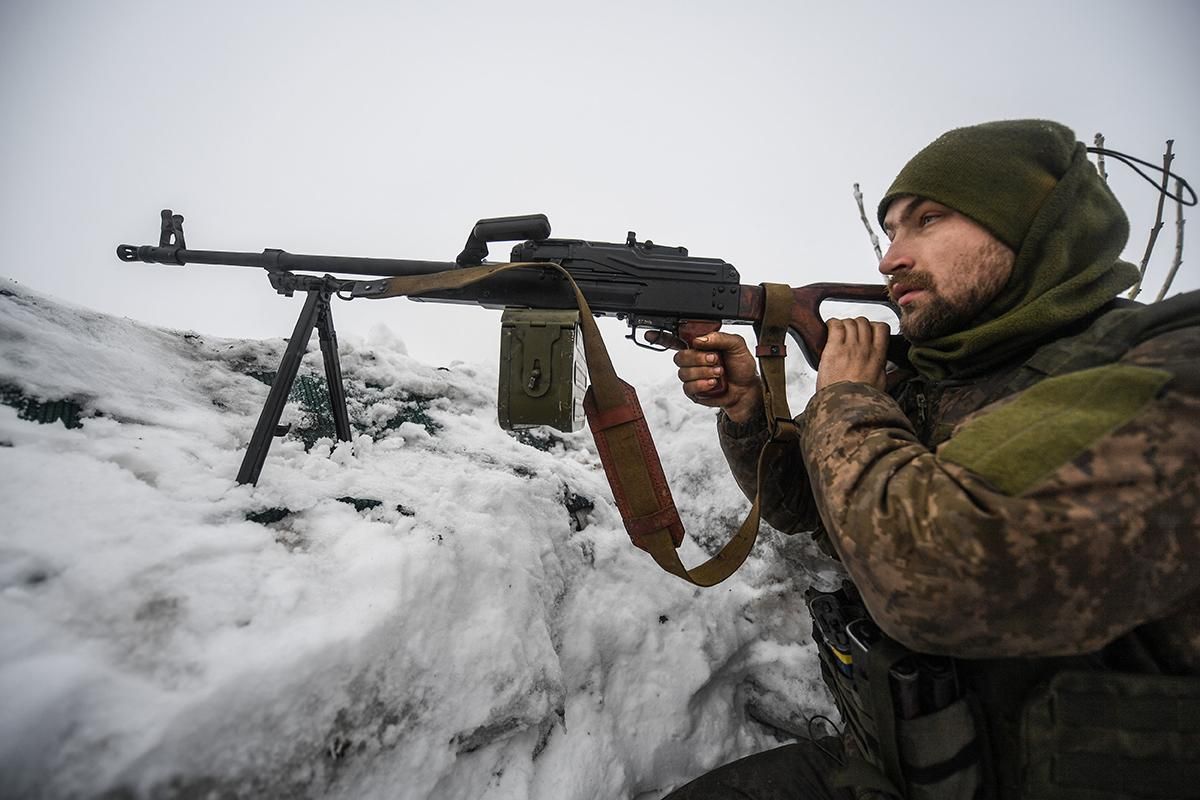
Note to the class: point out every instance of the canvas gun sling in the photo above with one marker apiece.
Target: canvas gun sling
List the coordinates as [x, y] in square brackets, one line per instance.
[622, 435]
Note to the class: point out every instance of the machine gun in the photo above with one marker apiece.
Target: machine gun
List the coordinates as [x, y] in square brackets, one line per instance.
[649, 286]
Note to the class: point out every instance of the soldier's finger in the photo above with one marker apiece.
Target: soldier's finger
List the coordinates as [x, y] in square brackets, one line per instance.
[665, 339]
[696, 358]
[721, 342]
[695, 388]
[690, 374]
[837, 331]
[880, 335]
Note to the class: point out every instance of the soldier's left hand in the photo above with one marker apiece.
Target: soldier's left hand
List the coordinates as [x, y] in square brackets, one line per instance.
[856, 351]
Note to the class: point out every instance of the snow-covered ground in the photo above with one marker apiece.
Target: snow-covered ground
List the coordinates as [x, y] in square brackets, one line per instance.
[458, 632]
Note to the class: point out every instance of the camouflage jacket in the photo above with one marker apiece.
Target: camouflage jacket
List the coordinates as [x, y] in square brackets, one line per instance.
[1045, 509]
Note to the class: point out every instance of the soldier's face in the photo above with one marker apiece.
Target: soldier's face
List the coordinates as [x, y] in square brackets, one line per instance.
[943, 268]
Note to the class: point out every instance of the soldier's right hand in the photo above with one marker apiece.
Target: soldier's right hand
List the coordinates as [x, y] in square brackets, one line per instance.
[711, 358]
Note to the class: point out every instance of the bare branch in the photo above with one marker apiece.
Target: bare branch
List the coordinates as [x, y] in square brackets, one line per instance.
[1178, 243]
[1100, 158]
[862, 212]
[1158, 223]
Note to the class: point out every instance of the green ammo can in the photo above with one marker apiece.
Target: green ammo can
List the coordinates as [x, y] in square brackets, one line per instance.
[543, 372]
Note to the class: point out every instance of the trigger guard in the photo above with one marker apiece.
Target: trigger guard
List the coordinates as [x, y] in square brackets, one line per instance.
[656, 348]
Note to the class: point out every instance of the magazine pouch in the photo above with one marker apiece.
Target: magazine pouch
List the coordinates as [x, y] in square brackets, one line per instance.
[941, 755]
[914, 729]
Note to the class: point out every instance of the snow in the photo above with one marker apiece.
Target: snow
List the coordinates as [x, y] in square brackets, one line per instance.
[466, 636]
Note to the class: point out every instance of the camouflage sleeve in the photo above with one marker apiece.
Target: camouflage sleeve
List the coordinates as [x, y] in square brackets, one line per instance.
[788, 503]
[1041, 527]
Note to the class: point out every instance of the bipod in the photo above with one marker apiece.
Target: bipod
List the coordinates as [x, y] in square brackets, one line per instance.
[316, 313]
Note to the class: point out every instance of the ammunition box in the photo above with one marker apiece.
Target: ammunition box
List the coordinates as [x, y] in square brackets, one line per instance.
[543, 372]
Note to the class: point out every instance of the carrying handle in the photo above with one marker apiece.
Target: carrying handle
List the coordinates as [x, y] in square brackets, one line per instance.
[501, 229]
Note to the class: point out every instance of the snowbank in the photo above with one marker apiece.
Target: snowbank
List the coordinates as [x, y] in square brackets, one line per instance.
[437, 609]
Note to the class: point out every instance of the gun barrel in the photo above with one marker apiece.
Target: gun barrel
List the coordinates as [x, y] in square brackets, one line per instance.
[282, 260]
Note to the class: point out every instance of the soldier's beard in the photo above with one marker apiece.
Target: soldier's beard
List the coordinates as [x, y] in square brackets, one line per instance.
[975, 280]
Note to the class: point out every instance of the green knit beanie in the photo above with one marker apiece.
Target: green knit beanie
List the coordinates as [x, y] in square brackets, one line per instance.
[1029, 183]
[998, 173]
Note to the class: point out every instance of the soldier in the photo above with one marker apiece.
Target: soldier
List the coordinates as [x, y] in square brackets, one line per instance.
[1019, 514]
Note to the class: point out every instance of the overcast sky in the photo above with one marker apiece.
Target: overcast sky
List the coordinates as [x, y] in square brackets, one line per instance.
[387, 129]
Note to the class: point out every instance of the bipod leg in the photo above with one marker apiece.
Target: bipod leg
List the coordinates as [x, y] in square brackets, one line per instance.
[333, 369]
[268, 420]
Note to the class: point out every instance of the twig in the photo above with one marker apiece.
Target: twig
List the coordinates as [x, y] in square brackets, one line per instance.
[862, 212]
[1178, 243]
[1100, 158]
[1158, 223]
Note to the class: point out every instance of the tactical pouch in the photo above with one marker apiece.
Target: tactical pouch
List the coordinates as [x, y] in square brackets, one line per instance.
[940, 754]
[1105, 735]
[935, 755]
[852, 704]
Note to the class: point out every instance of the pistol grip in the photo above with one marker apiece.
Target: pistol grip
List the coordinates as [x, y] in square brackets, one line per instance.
[689, 331]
